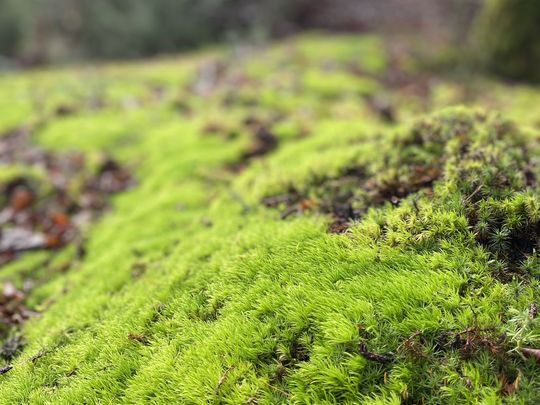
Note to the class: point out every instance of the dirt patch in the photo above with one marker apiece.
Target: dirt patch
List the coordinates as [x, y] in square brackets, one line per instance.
[383, 108]
[46, 200]
[262, 142]
[13, 311]
[139, 338]
[470, 342]
[214, 128]
[467, 150]
[50, 197]
[394, 190]
[348, 196]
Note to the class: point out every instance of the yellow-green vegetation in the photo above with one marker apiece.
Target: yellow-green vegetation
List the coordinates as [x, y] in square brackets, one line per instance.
[312, 223]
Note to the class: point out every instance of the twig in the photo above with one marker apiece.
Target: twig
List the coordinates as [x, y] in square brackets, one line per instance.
[415, 334]
[223, 379]
[378, 358]
[476, 191]
[5, 369]
[277, 389]
[289, 211]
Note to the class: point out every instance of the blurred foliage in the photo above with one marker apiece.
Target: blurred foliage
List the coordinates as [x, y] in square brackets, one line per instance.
[508, 38]
[36, 31]
[10, 27]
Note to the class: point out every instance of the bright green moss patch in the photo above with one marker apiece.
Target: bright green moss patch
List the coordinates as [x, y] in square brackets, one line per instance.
[215, 279]
[331, 84]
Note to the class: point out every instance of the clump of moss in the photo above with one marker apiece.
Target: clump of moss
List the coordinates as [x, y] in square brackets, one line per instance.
[467, 154]
[487, 181]
[189, 291]
[510, 229]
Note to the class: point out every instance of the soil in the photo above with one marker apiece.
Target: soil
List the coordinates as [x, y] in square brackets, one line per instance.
[47, 212]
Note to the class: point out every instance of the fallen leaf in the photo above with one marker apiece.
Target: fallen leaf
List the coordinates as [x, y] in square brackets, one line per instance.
[510, 388]
[20, 240]
[60, 220]
[21, 198]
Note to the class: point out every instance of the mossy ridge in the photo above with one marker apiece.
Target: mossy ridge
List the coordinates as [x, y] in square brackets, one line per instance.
[485, 171]
[247, 308]
[274, 303]
[471, 153]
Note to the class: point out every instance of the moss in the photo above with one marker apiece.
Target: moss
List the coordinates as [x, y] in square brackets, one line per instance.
[193, 291]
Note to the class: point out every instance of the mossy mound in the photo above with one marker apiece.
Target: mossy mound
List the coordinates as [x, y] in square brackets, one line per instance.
[286, 242]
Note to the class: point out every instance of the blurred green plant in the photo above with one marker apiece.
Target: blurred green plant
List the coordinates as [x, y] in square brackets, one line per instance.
[10, 27]
[508, 38]
[37, 31]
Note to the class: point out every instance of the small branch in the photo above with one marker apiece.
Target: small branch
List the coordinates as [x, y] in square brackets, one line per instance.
[533, 353]
[223, 379]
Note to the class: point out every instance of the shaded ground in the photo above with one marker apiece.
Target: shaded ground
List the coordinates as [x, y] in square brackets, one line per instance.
[296, 233]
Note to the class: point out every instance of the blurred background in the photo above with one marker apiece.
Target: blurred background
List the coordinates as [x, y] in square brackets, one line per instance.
[35, 32]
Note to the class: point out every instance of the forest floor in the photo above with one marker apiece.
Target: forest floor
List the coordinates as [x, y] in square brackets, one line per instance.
[320, 221]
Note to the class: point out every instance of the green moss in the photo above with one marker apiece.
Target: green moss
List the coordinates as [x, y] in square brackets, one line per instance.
[337, 84]
[193, 291]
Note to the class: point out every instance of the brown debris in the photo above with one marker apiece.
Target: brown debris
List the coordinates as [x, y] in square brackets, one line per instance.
[350, 194]
[338, 226]
[213, 128]
[467, 343]
[510, 388]
[5, 369]
[383, 108]
[377, 358]
[12, 347]
[65, 110]
[138, 269]
[111, 178]
[46, 213]
[140, 338]
[222, 379]
[264, 143]
[472, 340]
[395, 190]
[13, 312]
[532, 353]
[414, 346]
[21, 198]
[533, 311]
[290, 198]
